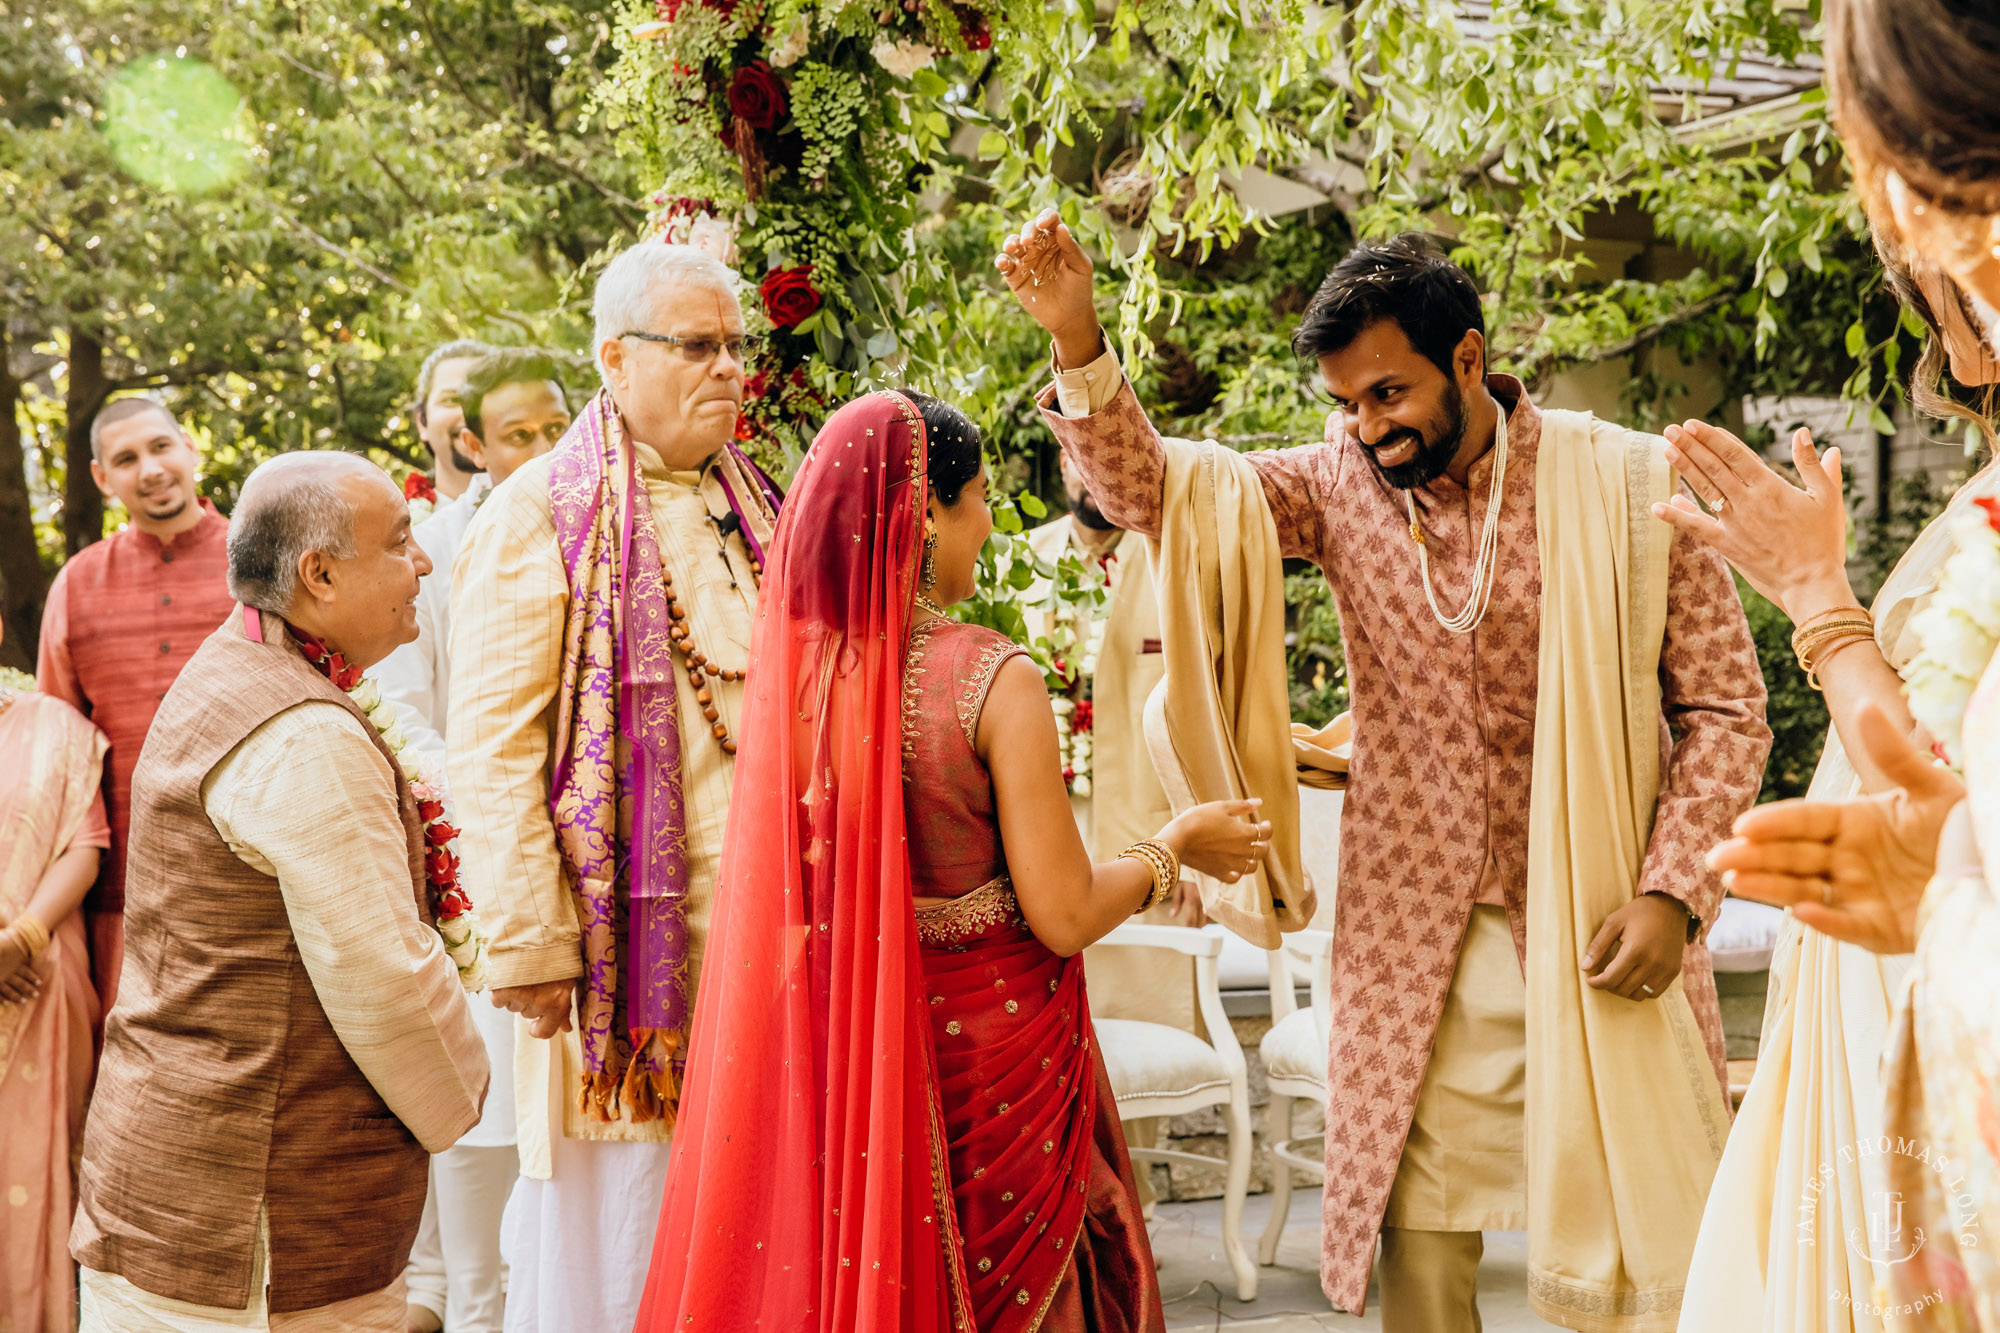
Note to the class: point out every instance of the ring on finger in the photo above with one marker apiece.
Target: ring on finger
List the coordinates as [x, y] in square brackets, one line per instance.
[1719, 503]
[1646, 988]
[1826, 892]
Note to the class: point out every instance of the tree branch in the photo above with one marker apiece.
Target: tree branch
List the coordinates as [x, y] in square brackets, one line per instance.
[1548, 363]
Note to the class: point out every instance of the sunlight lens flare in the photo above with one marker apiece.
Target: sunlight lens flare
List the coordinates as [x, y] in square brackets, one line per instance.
[177, 124]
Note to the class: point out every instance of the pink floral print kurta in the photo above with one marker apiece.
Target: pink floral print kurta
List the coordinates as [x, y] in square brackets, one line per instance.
[1436, 815]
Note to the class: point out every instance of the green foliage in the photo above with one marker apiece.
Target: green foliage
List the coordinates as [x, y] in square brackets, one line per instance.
[391, 173]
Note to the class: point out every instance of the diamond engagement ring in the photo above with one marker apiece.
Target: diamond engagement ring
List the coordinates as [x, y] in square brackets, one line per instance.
[1647, 989]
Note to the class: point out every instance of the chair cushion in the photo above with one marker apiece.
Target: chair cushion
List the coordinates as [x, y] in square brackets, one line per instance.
[1152, 1060]
[1243, 966]
[1743, 936]
[1291, 1049]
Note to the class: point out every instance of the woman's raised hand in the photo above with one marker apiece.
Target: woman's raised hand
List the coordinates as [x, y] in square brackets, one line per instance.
[1789, 543]
[1222, 839]
[1049, 275]
[1853, 869]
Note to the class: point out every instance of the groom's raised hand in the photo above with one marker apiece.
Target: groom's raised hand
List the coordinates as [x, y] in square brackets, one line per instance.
[1049, 275]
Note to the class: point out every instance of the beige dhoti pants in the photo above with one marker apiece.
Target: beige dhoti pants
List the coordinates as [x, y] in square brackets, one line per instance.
[1462, 1170]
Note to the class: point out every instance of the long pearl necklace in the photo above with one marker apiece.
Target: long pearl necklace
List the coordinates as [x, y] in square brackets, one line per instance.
[1474, 610]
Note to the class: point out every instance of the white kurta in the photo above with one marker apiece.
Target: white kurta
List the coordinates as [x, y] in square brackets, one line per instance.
[416, 678]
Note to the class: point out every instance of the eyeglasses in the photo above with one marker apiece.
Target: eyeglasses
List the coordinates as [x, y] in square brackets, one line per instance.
[702, 351]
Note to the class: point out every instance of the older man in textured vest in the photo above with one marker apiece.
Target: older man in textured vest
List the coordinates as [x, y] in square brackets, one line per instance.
[291, 1038]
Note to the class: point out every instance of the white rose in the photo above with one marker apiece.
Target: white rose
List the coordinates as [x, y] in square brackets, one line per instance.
[367, 695]
[395, 740]
[1063, 707]
[383, 714]
[787, 52]
[715, 237]
[1937, 700]
[1955, 643]
[902, 59]
[1972, 577]
[1081, 786]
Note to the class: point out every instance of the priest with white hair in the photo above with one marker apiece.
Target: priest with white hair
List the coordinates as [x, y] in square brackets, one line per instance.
[601, 620]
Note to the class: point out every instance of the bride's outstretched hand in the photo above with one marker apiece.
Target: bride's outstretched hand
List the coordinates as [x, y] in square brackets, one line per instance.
[1049, 275]
[1223, 839]
[1789, 542]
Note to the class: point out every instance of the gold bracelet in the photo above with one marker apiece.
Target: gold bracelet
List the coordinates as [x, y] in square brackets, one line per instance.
[1810, 621]
[1824, 650]
[30, 932]
[1806, 635]
[1165, 865]
[1808, 640]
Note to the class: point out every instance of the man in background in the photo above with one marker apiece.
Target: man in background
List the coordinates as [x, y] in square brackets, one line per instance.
[439, 419]
[124, 615]
[514, 411]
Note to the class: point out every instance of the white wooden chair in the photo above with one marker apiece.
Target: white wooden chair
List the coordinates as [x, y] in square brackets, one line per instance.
[1158, 1070]
[1294, 1054]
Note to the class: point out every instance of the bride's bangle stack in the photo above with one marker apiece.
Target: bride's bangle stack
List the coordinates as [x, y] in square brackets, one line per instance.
[1164, 864]
[28, 932]
[1825, 634]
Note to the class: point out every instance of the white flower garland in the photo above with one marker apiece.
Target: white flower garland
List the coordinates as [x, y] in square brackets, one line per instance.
[464, 939]
[1959, 630]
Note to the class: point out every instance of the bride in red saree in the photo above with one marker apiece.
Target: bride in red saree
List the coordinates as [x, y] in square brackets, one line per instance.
[895, 1118]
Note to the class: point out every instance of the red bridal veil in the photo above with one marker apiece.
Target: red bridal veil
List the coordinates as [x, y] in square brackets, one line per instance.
[809, 1189]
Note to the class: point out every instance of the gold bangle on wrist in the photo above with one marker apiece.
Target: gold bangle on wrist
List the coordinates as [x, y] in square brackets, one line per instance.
[1165, 865]
[30, 932]
[1824, 635]
[1810, 621]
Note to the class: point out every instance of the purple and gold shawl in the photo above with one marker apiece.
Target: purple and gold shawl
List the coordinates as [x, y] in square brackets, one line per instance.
[618, 686]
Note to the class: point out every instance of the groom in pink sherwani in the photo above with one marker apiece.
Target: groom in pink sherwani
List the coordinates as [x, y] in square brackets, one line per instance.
[1427, 1067]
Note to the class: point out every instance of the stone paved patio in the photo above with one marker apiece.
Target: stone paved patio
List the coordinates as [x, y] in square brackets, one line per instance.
[1196, 1284]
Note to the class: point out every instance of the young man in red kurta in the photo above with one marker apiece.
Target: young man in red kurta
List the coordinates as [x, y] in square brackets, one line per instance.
[1427, 1068]
[124, 616]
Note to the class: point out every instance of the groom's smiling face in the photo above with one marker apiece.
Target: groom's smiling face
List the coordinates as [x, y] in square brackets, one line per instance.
[1407, 415]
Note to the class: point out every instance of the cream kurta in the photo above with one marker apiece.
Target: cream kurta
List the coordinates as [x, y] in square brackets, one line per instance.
[510, 594]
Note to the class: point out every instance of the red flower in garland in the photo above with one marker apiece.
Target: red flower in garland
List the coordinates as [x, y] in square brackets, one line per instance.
[1991, 504]
[418, 486]
[756, 96]
[1080, 719]
[789, 295]
[441, 868]
[327, 662]
[430, 811]
[438, 833]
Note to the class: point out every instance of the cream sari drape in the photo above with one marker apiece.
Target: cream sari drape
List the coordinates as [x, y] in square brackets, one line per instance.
[1219, 725]
[1763, 1261]
[1625, 1119]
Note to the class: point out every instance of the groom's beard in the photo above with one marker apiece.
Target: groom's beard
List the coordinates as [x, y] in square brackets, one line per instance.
[1437, 445]
[1085, 511]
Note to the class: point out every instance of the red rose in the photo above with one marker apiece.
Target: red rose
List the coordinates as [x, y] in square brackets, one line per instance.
[757, 385]
[974, 30]
[429, 810]
[440, 865]
[1080, 719]
[417, 486]
[439, 834]
[789, 295]
[451, 903]
[757, 96]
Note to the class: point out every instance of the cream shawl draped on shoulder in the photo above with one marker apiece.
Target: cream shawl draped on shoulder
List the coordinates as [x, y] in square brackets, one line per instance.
[1219, 725]
[1625, 1119]
[1774, 1251]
